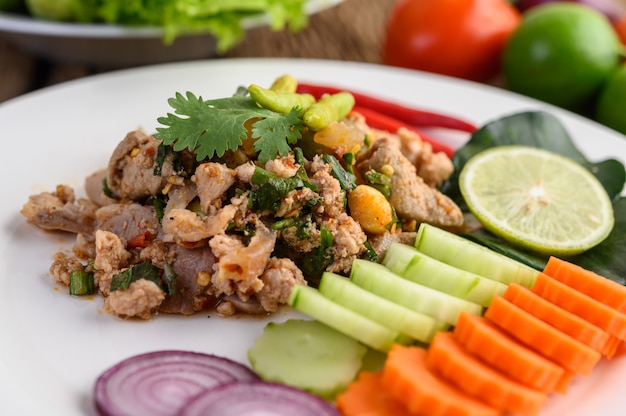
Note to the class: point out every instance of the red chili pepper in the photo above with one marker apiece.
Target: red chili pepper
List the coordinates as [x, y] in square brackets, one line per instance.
[140, 240]
[383, 122]
[411, 116]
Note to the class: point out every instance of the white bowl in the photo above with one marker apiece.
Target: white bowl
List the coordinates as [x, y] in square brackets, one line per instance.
[116, 46]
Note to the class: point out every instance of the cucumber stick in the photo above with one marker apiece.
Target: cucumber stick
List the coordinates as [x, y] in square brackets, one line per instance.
[418, 326]
[316, 358]
[417, 267]
[311, 302]
[460, 252]
[378, 279]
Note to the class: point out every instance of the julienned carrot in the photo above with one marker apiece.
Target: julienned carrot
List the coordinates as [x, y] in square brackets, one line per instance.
[384, 122]
[368, 395]
[412, 116]
[591, 284]
[565, 321]
[571, 354]
[478, 379]
[408, 378]
[570, 299]
[485, 340]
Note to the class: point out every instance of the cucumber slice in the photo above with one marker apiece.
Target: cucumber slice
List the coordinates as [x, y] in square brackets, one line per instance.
[378, 279]
[308, 355]
[311, 302]
[460, 252]
[417, 267]
[418, 326]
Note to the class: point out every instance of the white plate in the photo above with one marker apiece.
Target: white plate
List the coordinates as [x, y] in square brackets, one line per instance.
[53, 346]
[116, 46]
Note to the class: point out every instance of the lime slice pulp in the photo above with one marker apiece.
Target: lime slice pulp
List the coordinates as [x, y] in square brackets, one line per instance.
[537, 200]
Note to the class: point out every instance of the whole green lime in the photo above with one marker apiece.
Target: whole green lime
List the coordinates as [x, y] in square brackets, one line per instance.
[611, 106]
[561, 53]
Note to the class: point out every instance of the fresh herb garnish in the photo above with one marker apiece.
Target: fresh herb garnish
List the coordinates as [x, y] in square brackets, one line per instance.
[211, 128]
[346, 179]
[144, 270]
[271, 189]
[314, 264]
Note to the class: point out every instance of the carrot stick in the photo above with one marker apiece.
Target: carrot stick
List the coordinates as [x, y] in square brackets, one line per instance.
[478, 379]
[392, 125]
[542, 337]
[565, 321]
[412, 116]
[485, 340]
[599, 314]
[425, 394]
[591, 284]
[368, 395]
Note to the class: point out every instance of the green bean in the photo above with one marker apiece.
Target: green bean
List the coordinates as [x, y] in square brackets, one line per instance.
[280, 102]
[329, 108]
[285, 83]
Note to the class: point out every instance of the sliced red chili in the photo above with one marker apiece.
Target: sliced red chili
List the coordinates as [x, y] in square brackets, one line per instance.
[140, 240]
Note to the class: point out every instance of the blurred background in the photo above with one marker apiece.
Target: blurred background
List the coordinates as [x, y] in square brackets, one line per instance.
[567, 53]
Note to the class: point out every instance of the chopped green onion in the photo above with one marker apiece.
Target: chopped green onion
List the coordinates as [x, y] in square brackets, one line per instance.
[81, 283]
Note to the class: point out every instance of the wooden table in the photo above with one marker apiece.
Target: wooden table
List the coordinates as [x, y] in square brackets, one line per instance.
[350, 31]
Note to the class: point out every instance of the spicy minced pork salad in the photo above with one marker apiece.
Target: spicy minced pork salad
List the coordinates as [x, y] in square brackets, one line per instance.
[234, 200]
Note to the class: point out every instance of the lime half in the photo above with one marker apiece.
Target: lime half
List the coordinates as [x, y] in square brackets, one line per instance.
[537, 199]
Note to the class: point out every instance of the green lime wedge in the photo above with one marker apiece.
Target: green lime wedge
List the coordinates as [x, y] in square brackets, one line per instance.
[537, 200]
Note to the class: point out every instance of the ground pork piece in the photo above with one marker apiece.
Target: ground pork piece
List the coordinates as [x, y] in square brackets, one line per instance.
[185, 226]
[239, 271]
[131, 168]
[245, 172]
[283, 166]
[434, 168]
[292, 203]
[60, 210]
[111, 257]
[348, 242]
[333, 198]
[84, 246]
[292, 236]
[128, 220]
[222, 244]
[180, 196]
[410, 196]
[62, 266]
[279, 277]
[141, 300]
[213, 180]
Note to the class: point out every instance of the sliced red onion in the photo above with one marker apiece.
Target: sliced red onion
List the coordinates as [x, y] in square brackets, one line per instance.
[257, 398]
[159, 383]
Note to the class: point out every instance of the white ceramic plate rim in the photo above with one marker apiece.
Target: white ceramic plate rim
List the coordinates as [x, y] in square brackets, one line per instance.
[14, 23]
[53, 346]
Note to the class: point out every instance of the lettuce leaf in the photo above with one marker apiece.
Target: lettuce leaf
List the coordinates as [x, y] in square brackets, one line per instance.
[221, 18]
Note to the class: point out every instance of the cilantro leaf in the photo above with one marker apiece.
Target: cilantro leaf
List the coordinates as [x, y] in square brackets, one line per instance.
[210, 128]
[276, 132]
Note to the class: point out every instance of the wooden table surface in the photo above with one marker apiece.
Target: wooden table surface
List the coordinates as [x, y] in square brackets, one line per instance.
[351, 31]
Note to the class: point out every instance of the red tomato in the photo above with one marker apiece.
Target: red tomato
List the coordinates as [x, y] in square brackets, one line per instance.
[620, 27]
[460, 38]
